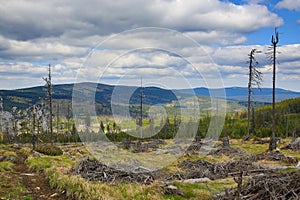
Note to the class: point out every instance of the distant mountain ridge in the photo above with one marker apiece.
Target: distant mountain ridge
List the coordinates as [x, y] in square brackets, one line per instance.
[259, 95]
[23, 98]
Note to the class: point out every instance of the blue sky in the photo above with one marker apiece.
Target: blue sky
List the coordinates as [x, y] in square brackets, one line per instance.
[289, 31]
[63, 33]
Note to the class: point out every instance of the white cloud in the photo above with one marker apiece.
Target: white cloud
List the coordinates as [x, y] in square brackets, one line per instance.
[161, 67]
[63, 32]
[217, 37]
[80, 19]
[289, 4]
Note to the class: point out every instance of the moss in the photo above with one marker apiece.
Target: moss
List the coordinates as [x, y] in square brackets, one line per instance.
[39, 163]
[49, 150]
[6, 166]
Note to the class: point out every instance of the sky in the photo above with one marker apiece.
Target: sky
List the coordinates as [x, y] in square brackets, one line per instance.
[167, 43]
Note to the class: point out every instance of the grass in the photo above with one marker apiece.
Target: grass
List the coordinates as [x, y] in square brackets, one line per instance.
[7, 151]
[82, 189]
[249, 146]
[57, 170]
[10, 185]
[204, 190]
[39, 163]
[291, 153]
[6, 166]
[216, 159]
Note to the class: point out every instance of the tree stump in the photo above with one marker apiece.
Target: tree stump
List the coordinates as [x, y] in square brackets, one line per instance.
[225, 141]
[197, 139]
[126, 143]
[273, 144]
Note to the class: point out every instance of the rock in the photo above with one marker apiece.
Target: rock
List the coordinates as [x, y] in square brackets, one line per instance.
[11, 158]
[2, 158]
[37, 154]
[172, 190]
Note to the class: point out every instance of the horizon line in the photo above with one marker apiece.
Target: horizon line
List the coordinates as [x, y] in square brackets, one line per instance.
[107, 84]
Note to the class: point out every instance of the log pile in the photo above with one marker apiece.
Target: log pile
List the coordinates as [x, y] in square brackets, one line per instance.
[269, 186]
[195, 147]
[274, 156]
[295, 146]
[142, 146]
[227, 151]
[202, 168]
[93, 170]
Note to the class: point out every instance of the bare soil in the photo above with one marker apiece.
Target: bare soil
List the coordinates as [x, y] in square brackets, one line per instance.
[36, 184]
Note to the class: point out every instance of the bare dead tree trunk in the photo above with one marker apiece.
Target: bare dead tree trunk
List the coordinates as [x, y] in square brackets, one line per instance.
[34, 139]
[49, 89]
[287, 124]
[57, 121]
[249, 100]
[255, 78]
[141, 107]
[272, 145]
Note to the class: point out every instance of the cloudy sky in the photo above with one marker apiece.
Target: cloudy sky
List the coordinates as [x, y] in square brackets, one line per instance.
[191, 43]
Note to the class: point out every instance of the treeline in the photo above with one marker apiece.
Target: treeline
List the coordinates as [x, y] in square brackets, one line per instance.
[287, 118]
[28, 125]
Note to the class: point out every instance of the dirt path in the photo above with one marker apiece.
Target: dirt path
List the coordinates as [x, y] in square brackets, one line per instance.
[38, 188]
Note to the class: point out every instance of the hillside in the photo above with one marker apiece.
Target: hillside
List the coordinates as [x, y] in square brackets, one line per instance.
[287, 118]
[259, 95]
[23, 98]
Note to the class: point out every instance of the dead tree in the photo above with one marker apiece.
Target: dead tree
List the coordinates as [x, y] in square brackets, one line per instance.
[49, 90]
[141, 110]
[255, 78]
[57, 121]
[274, 41]
[33, 134]
[287, 123]
[1, 112]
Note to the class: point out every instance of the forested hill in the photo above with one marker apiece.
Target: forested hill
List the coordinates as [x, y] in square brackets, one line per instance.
[287, 118]
[258, 95]
[23, 98]
[287, 106]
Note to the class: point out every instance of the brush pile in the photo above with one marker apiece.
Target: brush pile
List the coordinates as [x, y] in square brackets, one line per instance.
[227, 151]
[274, 156]
[93, 170]
[268, 186]
[202, 168]
[295, 146]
